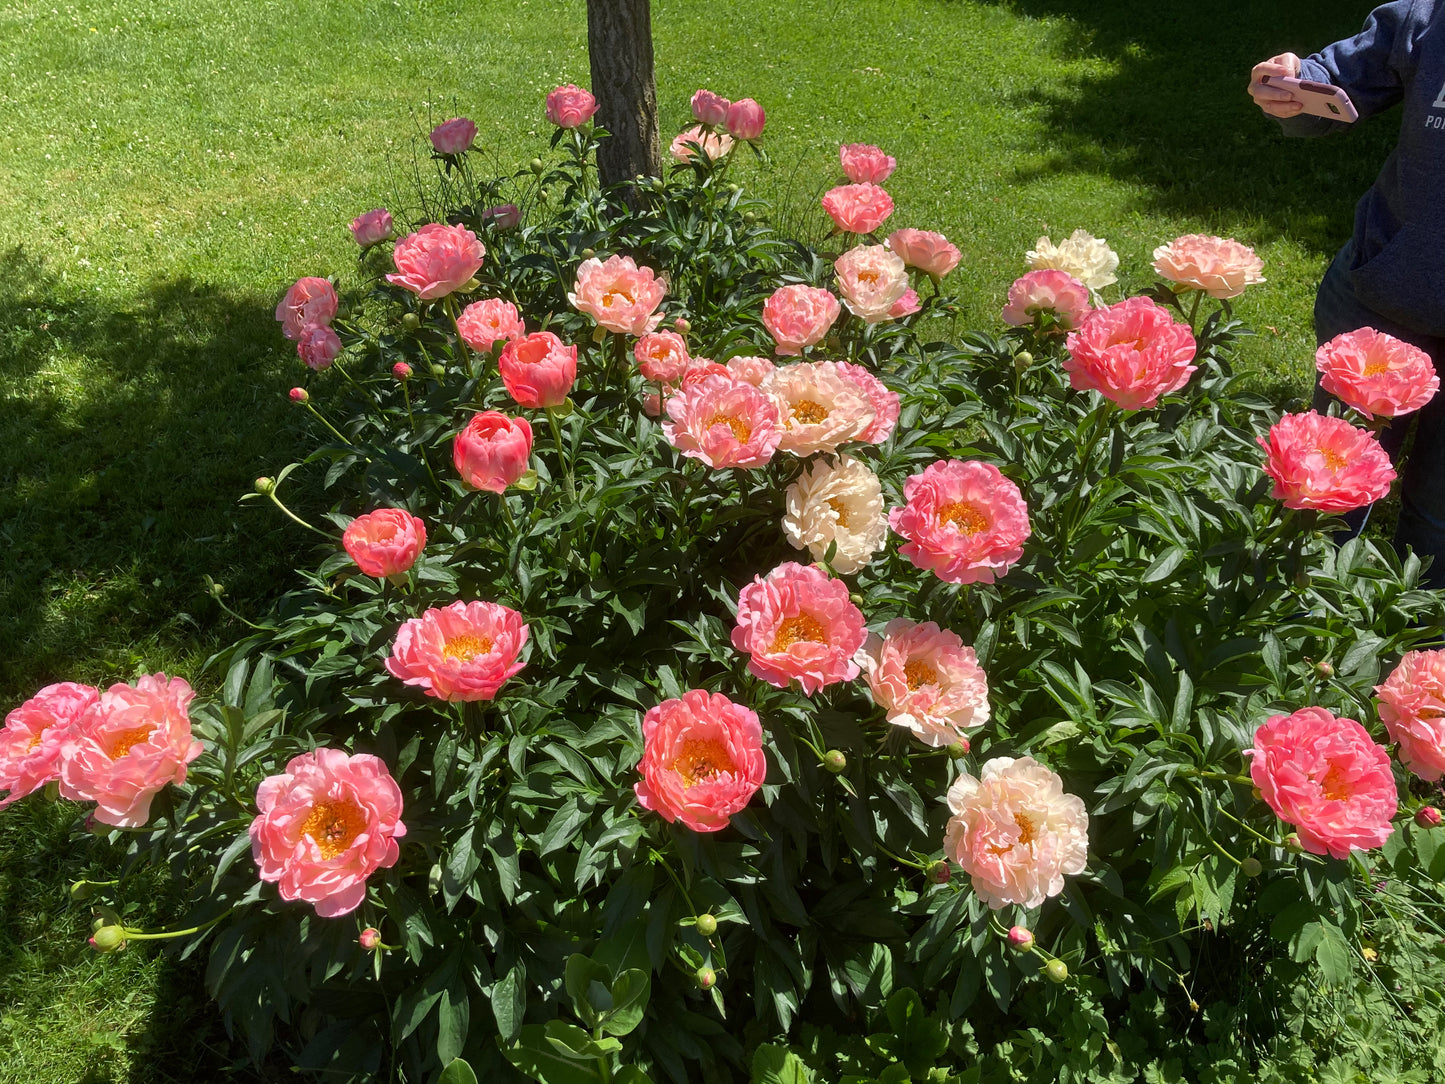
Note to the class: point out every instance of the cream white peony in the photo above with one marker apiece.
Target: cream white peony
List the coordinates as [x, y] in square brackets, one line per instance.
[839, 501]
[1088, 258]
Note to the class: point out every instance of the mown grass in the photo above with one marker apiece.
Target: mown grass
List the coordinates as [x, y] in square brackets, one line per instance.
[166, 169]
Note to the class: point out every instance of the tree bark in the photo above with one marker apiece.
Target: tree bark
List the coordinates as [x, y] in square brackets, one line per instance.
[619, 45]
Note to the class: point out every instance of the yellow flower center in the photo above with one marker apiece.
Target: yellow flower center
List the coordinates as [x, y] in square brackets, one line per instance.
[701, 760]
[808, 412]
[868, 277]
[1376, 366]
[1028, 831]
[121, 741]
[919, 674]
[740, 428]
[34, 741]
[334, 826]
[797, 629]
[611, 297]
[963, 516]
[1333, 459]
[1333, 788]
[840, 510]
[466, 647]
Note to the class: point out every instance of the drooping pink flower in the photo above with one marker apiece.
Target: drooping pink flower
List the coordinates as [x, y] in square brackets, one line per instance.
[504, 216]
[318, 346]
[493, 450]
[483, 323]
[709, 108]
[702, 759]
[927, 681]
[751, 370]
[372, 227]
[871, 279]
[384, 542]
[618, 295]
[857, 208]
[1412, 707]
[308, 301]
[326, 824]
[570, 106]
[1328, 778]
[715, 145]
[1015, 832]
[538, 370]
[436, 260]
[723, 421]
[464, 651]
[1054, 295]
[1132, 353]
[906, 305]
[1325, 463]
[1219, 266]
[745, 119]
[661, 356]
[799, 625]
[1376, 374]
[799, 315]
[821, 406]
[864, 163]
[964, 520]
[926, 250]
[31, 738]
[126, 746]
[454, 136]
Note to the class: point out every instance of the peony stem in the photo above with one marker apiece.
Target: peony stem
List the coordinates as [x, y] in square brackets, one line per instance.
[569, 485]
[292, 515]
[322, 419]
[449, 304]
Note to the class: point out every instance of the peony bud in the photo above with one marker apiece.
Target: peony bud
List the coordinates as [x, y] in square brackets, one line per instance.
[835, 761]
[370, 938]
[264, 486]
[1427, 816]
[959, 749]
[81, 890]
[1251, 867]
[745, 119]
[1020, 938]
[438, 370]
[706, 978]
[108, 939]
[1292, 844]
[588, 253]
[1022, 360]
[1056, 970]
[1258, 794]
[1324, 669]
[218, 589]
[681, 326]
[706, 924]
[299, 395]
[401, 370]
[939, 873]
[411, 321]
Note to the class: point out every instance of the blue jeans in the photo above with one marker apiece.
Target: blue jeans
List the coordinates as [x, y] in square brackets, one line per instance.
[1422, 484]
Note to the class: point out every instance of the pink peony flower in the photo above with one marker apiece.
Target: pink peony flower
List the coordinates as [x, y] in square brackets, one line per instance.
[857, 208]
[538, 370]
[619, 295]
[715, 145]
[710, 108]
[821, 406]
[906, 305]
[885, 402]
[31, 738]
[570, 106]
[1325, 463]
[454, 136]
[1055, 294]
[464, 651]
[798, 316]
[745, 120]
[384, 542]
[661, 356]
[327, 823]
[702, 760]
[1412, 707]
[1015, 832]
[871, 279]
[436, 260]
[1376, 374]
[864, 163]
[799, 625]
[723, 421]
[504, 216]
[483, 323]
[493, 450]
[372, 227]
[927, 681]
[128, 745]
[751, 370]
[1219, 266]
[309, 301]
[964, 521]
[1132, 353]
[926, 250]
[699, 369]
[1326, 777]
[318, 346]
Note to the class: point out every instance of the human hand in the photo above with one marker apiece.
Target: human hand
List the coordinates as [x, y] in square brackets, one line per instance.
[1276, 101]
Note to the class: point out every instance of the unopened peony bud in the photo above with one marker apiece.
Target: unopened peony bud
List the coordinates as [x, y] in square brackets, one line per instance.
[370, 938]
[588, 253]
[658, 184]
[438, 370]
[411, 321]
[1020, 938]
[401, 370]
[81, 890]
[299, 395]
[681, 326]
[706, 978]
[108, 939]
[959, 749]
[537, 165]
[264, 485]
[1258, 794]
[1324, 669]
[1251, 867]
[706, 925]
[1056, 970]
[835, 761]
[1427, 817]
[749, 217]
[218, 589]
[1292, 844]
[734, 187]
[939, 873]
[1022, 360]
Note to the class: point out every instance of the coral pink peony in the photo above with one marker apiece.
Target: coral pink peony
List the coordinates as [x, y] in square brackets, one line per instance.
[385, 542]
[799, 625]
[309, 301]
[1376, 374]
[885, 402]
[715, 145]
[927, 681]
[926, 250]
[538, 370]
[618, 295]
[871, 279]
[504, 216]
[745, 119]
[570, 106]
[857, 208]
[837, 505]
[318, 346]
[1052, 301]
[751, 370]
[1132, 353]
[702, 759]
[661, 356]
[1325, 463]
[30, 740]
[864, 163]
[1412, 707]
[821, 406]
[327, 823]
[372, 227]
[699, 369]
[709, 108]
[1326, 777]
[906, 305]
[436, 260]
[723, 421]
[1015, 832]
[1217, 265]
[964, 521]
[464, 651]
[483, 323]
[798, 316]
[128, 745]
[454, 136]
[493, 450]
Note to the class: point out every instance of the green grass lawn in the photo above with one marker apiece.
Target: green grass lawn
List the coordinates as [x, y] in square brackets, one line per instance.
[167, 169]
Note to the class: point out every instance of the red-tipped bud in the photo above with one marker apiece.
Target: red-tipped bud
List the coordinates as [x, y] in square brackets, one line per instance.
[681, 326]
[939, 873]
[835, 761]
[370, 938]
[1324, 669]
[706, 978]
[108, 939]
[401, 370]
[959, 749]
[706, 924]
[1427, 816]
[264, 485]
[299, 395]
[1056, 970]
[1020, 938]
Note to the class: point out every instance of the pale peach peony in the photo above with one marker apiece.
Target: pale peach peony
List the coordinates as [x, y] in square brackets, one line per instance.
[751, 370]
[326, 824]
[799, 625]
[1219, 266]
[484, 323]
[1088, 258]
[318, 346]
[1015, 832]
[128, 745]
[837, 503]
[745, 119]
[709, 108]
[821, 406]
[618, 295]
[454, 136]
[1325, 463]
[385, 542]
[464, 651]
[964, 521]
[1412, 707]
[538, 370]
[871, 279]
[864, 163]
[799, 315]
[1328, 778]
[857, 208]
[885, 402]
[1132, 353]
[1052, 301]
[493, 451]
[702, 759]
[926, 250]
[436, 260]
[723, 421]
[927, 681]
[308, 301]
[371, 227]
[661, 356]
[570, 106]
[1376, 374]
[31, 738]
[715, 145]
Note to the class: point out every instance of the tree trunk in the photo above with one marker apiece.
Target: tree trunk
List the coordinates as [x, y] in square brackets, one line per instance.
[619, 45]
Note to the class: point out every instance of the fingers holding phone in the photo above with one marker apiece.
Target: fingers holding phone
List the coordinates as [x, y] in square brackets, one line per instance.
[1275, 100]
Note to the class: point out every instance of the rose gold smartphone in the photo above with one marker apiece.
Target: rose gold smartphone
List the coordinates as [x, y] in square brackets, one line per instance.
[1320, 99]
